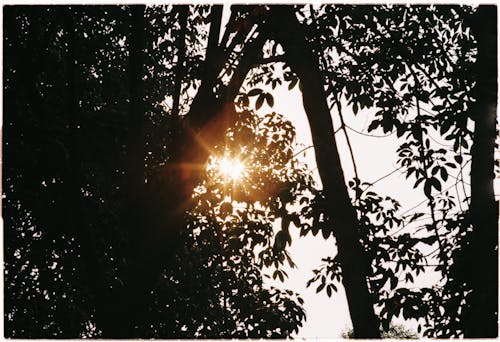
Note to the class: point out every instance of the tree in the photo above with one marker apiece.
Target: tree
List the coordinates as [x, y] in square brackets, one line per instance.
[109, 180]
[84, 267]
[482, 320]
[415, 96]
[396, 331]
[328, 161]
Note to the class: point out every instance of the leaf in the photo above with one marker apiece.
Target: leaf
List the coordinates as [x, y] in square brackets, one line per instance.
[429, 240]
[259, 102]
[444, 174]
[320, 287]
[269, 99]
[409, 277]
[373, 125]
[296, 220]
[325, 232]
[428, 188]
[254, 92]
[418, 182]
[329, 291]
[394, 282]
[436, 183]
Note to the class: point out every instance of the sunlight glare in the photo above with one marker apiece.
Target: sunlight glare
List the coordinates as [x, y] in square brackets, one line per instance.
[232, 169]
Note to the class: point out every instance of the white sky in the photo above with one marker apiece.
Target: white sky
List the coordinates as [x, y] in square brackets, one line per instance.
[375, 157]
[328, 317]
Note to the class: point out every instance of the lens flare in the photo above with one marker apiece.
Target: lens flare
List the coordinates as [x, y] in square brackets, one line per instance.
[231, 169]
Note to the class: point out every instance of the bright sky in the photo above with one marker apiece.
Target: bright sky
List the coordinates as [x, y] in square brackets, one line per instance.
[375, 157]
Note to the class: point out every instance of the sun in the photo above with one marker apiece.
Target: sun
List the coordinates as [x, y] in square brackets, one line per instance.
[231, 168]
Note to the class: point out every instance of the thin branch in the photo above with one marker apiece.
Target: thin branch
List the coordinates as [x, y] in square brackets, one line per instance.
[434, 251]
[181, 53]
[343, 127]
[431, 79]
[425, 200]
[248, 56]
[426, 175]
[383, 177]
[461, 175]
[302, 150]
[369, 135]
[271, 59]
[215, 23]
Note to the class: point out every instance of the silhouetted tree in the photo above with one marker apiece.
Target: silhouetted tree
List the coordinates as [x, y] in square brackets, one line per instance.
[97, 187]
[115, 215]
[482, 264]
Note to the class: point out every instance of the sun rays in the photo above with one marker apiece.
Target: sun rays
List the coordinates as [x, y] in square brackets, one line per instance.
[231, 169]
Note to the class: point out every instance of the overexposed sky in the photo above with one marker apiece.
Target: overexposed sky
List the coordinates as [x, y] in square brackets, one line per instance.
[375, 158]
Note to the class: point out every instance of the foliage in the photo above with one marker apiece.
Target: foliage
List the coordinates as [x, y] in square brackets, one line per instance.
[413, 67]
[396, 331]
[59, 254]
[411, 70]
[230, 242]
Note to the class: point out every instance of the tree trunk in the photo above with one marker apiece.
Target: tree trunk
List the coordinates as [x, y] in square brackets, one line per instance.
[352, 256]
[157, 211]
[481, 318]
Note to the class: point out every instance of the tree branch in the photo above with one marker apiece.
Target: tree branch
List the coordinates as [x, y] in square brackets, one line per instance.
[181, 53]
[355, 265]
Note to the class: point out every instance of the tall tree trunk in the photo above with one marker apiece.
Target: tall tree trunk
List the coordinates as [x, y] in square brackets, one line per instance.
[352, 256]
[482, 316]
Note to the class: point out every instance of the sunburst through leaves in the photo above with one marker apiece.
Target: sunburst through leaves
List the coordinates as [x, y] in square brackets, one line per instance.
[231, 169]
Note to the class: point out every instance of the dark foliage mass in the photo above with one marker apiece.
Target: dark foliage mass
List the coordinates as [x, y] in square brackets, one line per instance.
[67, 142]
[119, 220]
